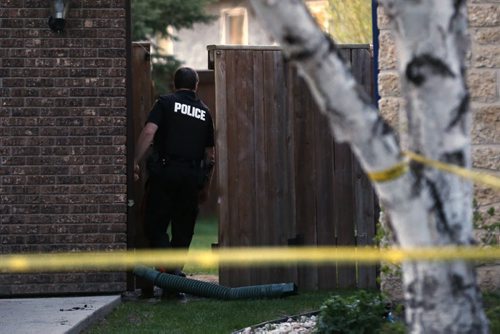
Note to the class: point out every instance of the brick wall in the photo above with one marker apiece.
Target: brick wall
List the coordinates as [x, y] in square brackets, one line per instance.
[484, 86]
[62, 139]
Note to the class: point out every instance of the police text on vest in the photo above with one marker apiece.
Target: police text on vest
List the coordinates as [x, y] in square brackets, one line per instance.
[186, 109]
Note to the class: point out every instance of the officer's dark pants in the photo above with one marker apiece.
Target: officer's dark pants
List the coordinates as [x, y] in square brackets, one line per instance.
[172, 198]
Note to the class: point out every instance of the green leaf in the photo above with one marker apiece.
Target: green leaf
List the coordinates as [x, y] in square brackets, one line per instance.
[151, 18]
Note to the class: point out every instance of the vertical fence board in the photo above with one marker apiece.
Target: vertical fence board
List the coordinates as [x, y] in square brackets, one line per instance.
[243, 110]
[344, 211]
[232, 150]
[222, 157]
[273, 149]
[291, 227]
[260, 275]
[270, 149]
[364, 199]
[306, 225]
[325, 202]
[364, 222]
[283, 159]
[362, 68]
[239, 275]
[344, 195]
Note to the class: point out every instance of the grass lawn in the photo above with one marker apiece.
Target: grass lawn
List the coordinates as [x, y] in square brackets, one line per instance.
[204, 316]
[210, 316]
[205, 234]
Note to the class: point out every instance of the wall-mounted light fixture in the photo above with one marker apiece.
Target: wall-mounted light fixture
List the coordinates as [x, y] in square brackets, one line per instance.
[57, 19]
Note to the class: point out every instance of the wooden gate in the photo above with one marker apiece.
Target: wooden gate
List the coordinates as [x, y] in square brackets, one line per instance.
[142, 100]
[282, 179]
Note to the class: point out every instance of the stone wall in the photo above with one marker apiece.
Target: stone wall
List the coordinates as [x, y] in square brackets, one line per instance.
[484, 83]
[62, 139]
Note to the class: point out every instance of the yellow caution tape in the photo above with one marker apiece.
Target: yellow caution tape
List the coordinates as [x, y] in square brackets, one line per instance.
[468, 174]
[121, 260]
[401, 168]
[389, 174]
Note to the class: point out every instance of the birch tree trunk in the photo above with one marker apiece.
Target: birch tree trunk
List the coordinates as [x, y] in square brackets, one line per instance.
[426, 207]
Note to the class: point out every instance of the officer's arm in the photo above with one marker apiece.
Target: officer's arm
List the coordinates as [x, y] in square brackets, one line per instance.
[210, 154]
[145, 140]
[210, 159]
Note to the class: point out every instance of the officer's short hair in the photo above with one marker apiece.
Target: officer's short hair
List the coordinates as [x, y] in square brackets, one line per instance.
[186, 78]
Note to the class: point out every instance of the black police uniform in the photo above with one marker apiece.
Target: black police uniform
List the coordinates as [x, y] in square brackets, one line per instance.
[185, 129]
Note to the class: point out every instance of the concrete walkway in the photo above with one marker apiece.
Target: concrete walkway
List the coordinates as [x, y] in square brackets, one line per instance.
[53, 315]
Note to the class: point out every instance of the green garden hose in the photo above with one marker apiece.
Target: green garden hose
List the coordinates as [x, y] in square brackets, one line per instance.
[210, 290]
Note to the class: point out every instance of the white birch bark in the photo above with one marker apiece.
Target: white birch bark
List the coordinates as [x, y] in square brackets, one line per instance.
[426, 207]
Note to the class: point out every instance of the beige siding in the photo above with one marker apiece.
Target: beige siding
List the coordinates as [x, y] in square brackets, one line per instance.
[191, 48]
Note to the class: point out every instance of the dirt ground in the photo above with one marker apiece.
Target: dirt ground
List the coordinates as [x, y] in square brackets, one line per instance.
[206, 278]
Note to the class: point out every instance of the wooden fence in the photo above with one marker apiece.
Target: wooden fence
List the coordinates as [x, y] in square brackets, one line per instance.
[282, 179]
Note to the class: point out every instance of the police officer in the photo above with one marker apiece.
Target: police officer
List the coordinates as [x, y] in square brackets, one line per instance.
[180, 129]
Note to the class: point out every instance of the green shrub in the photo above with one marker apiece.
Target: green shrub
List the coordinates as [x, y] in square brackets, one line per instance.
[492, 309]
[359, 313]
[393, 328]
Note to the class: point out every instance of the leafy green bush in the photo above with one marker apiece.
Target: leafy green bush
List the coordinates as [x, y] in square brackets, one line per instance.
[359, 313]
[393, 328]
[492, 308]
